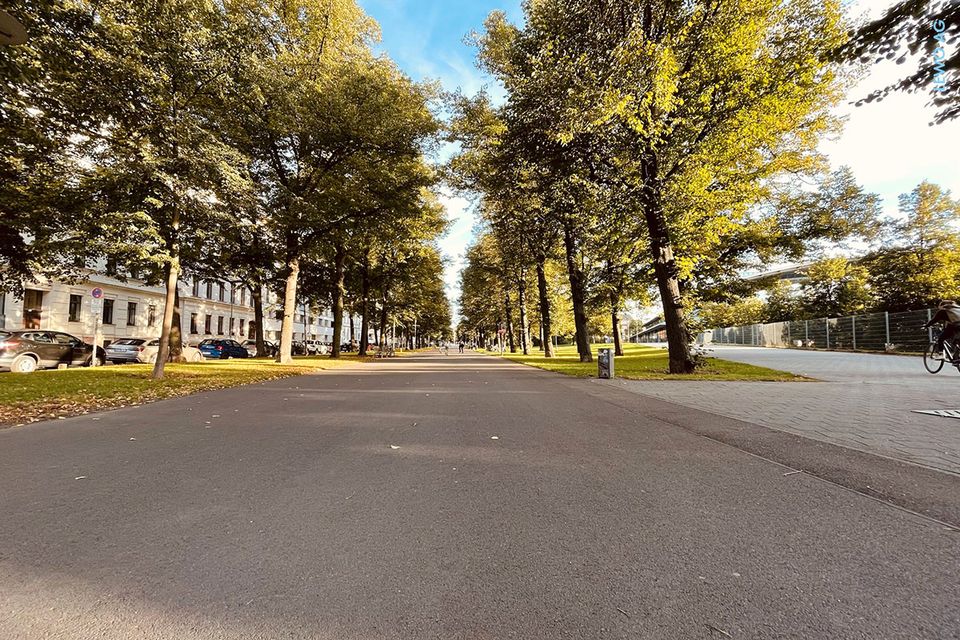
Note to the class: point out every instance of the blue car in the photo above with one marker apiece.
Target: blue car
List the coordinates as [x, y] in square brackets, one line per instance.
[222, 349]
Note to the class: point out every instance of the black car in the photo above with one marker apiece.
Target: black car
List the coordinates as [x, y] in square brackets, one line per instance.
[31, 349]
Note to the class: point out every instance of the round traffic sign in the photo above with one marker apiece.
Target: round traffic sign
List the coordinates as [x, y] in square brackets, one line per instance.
[97, 293]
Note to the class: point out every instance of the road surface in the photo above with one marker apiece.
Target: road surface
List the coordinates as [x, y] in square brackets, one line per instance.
[458, 497]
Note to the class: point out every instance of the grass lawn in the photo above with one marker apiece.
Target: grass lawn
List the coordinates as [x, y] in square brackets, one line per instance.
[43, 395]
[640, 362]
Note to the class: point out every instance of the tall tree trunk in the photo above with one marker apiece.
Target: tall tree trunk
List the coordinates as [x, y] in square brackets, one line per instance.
[508, 313]
[577, 292]
[615, 323]
[176, 331]
[353, 331]
[546, 329]
[383, 323]
[364, 307]
[285, 355]
[169, 303]
[524, 324]
[256, 294]
[338, 291]
[665, 269]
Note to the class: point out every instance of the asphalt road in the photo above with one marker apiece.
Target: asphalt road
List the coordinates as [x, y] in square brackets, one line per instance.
[375, 503]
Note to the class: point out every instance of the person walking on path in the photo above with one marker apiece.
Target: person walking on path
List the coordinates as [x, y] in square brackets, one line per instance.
[461, 346]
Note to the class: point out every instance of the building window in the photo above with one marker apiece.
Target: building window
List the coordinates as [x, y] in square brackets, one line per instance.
[220, 325]
[76, 302]
[107, 311]
[233, 294]
[278, 314]
[152, 316]
[209, 290]
[231, 326]
[131, 314]
[243, 296]
[196, 287]
[206, 324]
[242, 322]
[223, 292]
[193, 323]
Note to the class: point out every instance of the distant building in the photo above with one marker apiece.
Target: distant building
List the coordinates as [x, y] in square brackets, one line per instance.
[208, 309]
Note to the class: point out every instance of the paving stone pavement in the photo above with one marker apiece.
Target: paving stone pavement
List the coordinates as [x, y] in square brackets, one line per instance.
[862, 401]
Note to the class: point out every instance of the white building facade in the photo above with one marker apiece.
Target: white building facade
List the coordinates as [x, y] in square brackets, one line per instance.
[208, 309]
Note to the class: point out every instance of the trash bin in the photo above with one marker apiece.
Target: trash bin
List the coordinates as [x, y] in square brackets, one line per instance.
[605, 364]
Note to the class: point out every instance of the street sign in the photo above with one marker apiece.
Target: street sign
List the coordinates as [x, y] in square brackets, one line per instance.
[97, 293]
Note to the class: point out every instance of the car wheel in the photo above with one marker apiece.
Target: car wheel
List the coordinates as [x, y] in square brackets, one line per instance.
[24, 364]
[152, 359]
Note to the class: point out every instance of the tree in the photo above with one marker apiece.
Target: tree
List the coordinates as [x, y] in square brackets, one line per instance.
[47, 229]
[158, 85]
[731, 314]
[782, 303]
[686, 111]
[918, 262]
[836, 287]
[917, 28]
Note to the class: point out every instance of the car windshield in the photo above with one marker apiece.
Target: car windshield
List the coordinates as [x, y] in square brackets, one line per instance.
[133, 341]
[206, 342]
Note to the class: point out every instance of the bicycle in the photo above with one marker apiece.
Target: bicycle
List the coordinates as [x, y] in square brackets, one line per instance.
[951, 354]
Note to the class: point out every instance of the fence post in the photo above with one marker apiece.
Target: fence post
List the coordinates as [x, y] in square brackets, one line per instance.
[853, 323]
[826, 323]
[929, 330]
[886, 322]
[806, 331]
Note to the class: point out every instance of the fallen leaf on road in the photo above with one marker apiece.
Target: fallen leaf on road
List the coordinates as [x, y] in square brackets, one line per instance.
[393, 446]
[494, 437]
[80, 478]
[133, 439]
[623, 612]
[216, 415]
[718, 630]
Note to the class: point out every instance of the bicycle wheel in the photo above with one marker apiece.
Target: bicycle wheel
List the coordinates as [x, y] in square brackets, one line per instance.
[932, 365]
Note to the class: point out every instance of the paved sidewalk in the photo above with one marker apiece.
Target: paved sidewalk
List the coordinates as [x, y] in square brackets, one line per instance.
[864, 401]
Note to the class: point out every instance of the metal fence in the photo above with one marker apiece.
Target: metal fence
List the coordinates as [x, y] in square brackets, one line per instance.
[899, 331]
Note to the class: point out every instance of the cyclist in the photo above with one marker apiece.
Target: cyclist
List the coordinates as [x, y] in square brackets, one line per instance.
[948, 314]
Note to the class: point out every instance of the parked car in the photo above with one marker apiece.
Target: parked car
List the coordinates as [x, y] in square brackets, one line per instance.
[30, 349]
[222, 349]
[315, 347]
[298, 348]
[144, 350]
[152, 347]
[251, 347]
[125, 350]
[347, 347]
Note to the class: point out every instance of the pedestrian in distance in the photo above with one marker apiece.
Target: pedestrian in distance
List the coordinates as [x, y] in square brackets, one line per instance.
[461, 346]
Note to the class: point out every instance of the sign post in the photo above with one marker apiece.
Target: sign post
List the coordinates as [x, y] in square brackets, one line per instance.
[96, 307]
